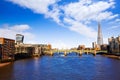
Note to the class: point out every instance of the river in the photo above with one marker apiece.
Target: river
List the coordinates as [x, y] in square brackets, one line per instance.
[59, 67]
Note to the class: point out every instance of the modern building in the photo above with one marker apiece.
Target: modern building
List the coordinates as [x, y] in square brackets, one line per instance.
[98, 45]
[114, 45]
[7, 49]
[95, 46]
[100, 37]
[19, 39]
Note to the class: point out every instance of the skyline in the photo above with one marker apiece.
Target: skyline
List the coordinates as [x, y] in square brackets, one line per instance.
[64, 24]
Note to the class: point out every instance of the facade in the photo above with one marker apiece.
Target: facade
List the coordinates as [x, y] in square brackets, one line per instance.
[114, 45]
[7, 49]
[31, 49]
[24, 49]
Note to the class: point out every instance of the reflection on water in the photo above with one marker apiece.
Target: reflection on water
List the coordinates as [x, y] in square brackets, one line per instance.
[59, 67]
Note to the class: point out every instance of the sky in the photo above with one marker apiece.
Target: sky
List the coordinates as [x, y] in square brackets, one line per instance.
[61, 23]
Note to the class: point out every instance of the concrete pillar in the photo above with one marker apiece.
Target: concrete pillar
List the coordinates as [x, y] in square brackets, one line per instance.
[94, 53]
[65, 53]
[87, 52]
[51, 53]
[80, 53]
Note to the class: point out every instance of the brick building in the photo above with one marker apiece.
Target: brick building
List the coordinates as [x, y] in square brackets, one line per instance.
[7, 49]
[81, 47]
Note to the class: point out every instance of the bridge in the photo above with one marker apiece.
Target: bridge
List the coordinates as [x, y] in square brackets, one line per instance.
[79, 52]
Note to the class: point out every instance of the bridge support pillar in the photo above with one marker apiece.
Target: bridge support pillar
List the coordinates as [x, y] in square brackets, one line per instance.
[65, 53]
[80, 53]
[87, 52]
[51, 53]
[94, 53]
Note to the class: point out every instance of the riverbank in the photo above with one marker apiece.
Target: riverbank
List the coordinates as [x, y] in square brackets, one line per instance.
[112, 56]
[4, 64]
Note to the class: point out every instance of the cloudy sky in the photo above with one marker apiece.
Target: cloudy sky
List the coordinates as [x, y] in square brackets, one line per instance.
[62, 23]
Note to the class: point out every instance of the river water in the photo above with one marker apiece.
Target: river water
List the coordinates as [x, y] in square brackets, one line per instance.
[59, 67]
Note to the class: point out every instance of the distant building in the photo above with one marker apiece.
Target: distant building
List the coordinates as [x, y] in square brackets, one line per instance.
[32, 49]
[99, 44]
[74, 48]
[81, 47]
[100, 37]
[87, 48]
[19, 38]
[24, 49]
[114, 45]
[49, 46]
[93, 45]
[7, 49]
[96, 46]
[104, 47]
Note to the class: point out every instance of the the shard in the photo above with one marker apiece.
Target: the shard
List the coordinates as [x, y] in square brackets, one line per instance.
[100, 37]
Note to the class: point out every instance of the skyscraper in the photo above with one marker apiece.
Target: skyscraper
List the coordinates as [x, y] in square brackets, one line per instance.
[19, 38]
[100, 37]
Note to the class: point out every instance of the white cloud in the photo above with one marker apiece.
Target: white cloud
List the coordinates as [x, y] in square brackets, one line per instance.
[114, 27]
[41, 7]
[38, 6]
[117, 20]
[81, 11]
[77, 16]
[11, 31]
[84, 30]
[54, 14]
[20, 28]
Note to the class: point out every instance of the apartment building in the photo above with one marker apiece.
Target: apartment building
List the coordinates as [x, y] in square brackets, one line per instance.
[7, 49]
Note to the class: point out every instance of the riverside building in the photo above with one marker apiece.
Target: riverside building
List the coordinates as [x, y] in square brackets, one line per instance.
[7, 49]
[30, 49]
[114, 45]
[81, 47]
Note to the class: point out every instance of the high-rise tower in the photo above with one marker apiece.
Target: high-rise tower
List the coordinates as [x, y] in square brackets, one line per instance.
[100, 37]
[19, 38]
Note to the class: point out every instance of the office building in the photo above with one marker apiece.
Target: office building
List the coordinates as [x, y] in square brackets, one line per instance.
[100, 37]
[19, 39]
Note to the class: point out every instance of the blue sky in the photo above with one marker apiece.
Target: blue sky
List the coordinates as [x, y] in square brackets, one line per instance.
[62, 23]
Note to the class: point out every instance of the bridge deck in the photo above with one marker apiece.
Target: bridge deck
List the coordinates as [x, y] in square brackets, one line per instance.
[76, 51]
